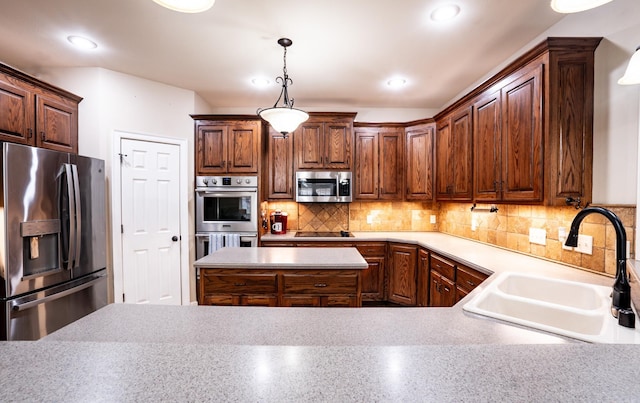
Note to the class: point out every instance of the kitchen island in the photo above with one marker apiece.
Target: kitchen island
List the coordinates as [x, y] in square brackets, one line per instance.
[212, 353]
[319, 277]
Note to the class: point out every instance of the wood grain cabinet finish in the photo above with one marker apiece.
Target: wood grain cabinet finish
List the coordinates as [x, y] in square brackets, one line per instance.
[373, 278]
[35, 113]
[279, 166]
[454, 156]
[226, 144]
[419, 170]
[327, 288]
[423, 286]
[466, 280]
[325, 141]
[442, 286]
[402, 274]
[379, 163]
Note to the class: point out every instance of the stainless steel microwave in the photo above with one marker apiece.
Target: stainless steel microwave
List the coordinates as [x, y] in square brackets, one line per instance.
[323, 187]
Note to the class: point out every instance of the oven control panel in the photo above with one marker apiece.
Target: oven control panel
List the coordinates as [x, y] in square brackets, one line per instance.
[226, 181]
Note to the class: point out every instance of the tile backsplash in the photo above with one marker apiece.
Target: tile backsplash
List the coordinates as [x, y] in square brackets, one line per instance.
[507, 228]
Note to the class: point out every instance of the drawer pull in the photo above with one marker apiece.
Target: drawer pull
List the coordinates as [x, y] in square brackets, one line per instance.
[320, 285]
[471, 283]
[239, 284]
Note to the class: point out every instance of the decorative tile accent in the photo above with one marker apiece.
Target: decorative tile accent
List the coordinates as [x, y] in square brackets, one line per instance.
[323, 216]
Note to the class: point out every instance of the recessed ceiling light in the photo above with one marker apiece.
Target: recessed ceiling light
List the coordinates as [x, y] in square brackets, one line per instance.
[397, 82]
[574, 6]
[260, 82]
[445, 12]
[186, 6]
[82, 42]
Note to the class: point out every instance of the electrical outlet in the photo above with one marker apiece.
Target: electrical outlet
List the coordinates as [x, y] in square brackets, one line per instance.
[585, 244]
[474, 222]
[562, 237]
[369, 219]
[538, 235]
[432, 219]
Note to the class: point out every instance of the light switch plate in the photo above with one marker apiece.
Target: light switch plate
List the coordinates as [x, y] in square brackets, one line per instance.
[562, 237]
[585, 244]
[538, 236]
[432, 219]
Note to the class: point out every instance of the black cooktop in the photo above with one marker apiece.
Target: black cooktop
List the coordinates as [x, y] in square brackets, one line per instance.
[323, 234]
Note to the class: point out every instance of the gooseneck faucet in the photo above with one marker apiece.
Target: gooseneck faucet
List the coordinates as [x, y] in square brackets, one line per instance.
[621, 296]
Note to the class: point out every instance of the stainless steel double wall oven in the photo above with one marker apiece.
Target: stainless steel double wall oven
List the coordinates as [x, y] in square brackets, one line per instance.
[226, 212]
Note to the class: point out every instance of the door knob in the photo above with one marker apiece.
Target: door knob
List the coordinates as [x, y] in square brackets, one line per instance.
[174, 238]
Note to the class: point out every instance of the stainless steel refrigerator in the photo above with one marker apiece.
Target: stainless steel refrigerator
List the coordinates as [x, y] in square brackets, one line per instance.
[52, 240]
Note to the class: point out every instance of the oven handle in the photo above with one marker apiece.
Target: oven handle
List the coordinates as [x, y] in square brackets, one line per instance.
[226, 191]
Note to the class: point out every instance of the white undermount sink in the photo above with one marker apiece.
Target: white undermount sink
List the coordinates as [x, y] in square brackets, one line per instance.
[577, 310]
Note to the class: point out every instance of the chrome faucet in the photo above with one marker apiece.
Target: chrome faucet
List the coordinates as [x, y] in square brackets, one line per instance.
[621, 296]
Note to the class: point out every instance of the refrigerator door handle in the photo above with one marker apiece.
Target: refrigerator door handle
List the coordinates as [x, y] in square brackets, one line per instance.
[68, 256]
[77, 233]
[17, 306]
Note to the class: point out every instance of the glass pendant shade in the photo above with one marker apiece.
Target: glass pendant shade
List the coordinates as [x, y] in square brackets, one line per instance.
[574, 6]
[187, 6]
[632, 74]
[284, 119]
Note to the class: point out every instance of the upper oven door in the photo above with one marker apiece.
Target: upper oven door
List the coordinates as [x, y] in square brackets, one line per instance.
[226, 210]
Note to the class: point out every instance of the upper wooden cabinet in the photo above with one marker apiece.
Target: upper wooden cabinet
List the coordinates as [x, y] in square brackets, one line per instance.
[379, 163]
[532, 127]
[35, 113]
[454, 156]
[279, 166]
[226, 144]
[419, 161]
[325, 141]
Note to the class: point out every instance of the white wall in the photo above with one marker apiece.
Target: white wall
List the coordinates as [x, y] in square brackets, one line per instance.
[115, 101]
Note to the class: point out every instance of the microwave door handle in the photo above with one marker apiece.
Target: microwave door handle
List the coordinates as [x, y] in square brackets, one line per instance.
[78, 214]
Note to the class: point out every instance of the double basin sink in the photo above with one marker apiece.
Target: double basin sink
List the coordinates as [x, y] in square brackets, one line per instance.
[577, 310]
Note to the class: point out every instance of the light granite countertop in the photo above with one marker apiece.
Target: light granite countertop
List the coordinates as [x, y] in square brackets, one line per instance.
[201, 353]
[283, 258]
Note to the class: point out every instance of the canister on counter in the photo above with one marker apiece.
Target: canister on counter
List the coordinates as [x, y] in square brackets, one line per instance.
[279, 222]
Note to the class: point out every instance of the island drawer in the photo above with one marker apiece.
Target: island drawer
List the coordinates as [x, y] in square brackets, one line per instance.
[239, 283]
[443, 266]
[320, 284]
[371, 249]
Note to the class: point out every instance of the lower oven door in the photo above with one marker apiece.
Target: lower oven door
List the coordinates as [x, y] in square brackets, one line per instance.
[211, 241]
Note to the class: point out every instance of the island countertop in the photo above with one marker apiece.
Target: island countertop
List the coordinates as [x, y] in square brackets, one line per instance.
[283, 258]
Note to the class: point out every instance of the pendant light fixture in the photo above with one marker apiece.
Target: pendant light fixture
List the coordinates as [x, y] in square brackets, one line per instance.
[632, 74]
[186, 6]
[285, 119]
[574, 6]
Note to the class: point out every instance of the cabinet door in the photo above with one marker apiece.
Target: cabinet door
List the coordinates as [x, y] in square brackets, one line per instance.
[522, 170]
[308, 139]
[366, 181]
[211, 149]
[435, 296]
[444, 173]
[422, 297]
[280, 166]
[462, 165]
[391, 149]
[16, 112]
[243, 148]
[487, 148]
[337, 144]
[419, 171]
[56, 124]
[448, 291]
[402, 274]
[373, 279]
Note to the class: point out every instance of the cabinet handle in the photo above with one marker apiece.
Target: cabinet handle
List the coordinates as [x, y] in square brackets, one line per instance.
[446, 289]
[42, 136]
[29, 133]
[471, 283]
[239, 284]
[320, 285]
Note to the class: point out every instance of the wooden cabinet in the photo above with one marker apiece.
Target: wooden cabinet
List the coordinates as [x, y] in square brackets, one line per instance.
[532, 129]
[373, 277]
[325, 141]
[402, 274]
[37, 114]
[419, 161]
[226, 144]
[422, 288]
[466, 280]
[454, 156]
[441, 281]
[279, 166]
[327, 288]
[379, 163]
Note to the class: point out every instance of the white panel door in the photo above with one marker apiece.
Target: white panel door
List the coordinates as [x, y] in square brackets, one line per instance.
[150, 184]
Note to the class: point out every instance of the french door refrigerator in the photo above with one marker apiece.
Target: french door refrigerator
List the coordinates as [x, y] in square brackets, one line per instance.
[52, 240]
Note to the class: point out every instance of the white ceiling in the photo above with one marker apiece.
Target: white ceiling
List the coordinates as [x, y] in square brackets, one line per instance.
[343, 51]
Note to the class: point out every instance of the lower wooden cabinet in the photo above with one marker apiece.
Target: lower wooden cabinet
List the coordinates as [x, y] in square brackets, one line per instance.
[327, 288]
[373, 277]
[422, 288]
[402, 274]
[442, 281]
[467, 279]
